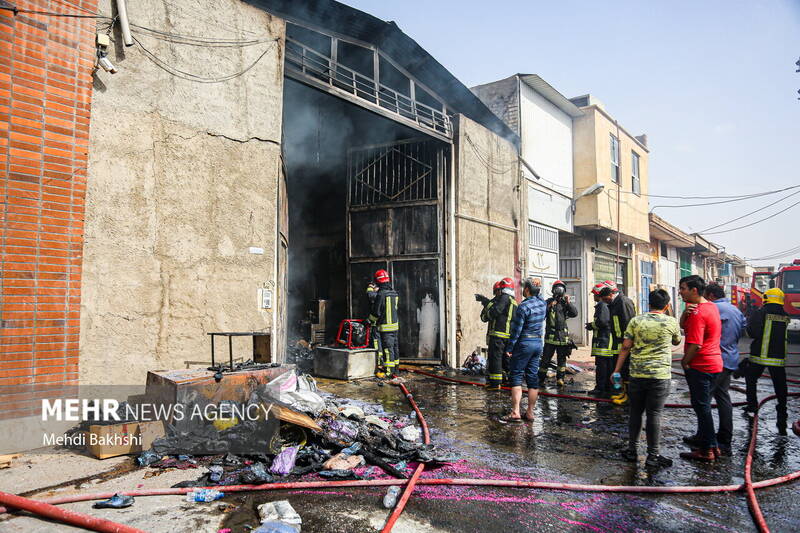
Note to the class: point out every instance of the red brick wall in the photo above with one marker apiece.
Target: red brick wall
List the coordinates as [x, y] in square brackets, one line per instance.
[45, 96]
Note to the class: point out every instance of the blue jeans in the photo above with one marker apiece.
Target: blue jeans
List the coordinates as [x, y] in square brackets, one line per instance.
[700, 385]
[525, 362]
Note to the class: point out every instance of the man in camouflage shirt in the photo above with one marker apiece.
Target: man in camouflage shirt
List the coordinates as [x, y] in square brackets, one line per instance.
[648, 340]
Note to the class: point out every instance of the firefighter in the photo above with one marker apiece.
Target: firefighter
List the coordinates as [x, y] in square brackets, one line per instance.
[374, 334]
[556, 333]
[622, 310]
[383, 315]
[768, 328]
[600, 327]
[498, 312]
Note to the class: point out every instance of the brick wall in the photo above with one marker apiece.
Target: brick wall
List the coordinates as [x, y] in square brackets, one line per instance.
[45, 94]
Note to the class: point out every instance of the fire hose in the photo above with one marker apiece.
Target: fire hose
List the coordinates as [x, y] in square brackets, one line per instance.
[45, 507]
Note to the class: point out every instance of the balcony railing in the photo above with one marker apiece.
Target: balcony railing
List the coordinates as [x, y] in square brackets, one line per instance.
[307, 62]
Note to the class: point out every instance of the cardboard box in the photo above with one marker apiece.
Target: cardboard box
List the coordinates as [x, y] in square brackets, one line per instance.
[122, 439]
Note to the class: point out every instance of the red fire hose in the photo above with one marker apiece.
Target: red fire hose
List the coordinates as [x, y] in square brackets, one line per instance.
[398, 509]
[63, 515]
[548, 394]
[748, 486]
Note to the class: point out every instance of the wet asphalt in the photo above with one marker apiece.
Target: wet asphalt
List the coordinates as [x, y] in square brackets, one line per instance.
[570, 441]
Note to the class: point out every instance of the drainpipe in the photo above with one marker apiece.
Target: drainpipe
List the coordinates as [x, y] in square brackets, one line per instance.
[124, 25]
[451, 216]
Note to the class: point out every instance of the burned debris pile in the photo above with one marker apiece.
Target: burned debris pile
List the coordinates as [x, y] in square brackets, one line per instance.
[305, 433]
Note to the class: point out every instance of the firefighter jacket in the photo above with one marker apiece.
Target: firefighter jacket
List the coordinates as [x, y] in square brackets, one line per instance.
[601, 331]
[555, 330]
[769, 328]
[498, 312]
[383, 312]
[622, 310]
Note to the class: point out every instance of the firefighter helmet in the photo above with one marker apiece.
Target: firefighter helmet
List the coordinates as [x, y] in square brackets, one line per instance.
[506, 283]
[381, 276]
[773, 296]
[496, 286]
[598, 287]
[559, 282]
[611, 285]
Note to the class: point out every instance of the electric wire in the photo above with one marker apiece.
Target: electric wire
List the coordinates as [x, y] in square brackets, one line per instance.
[743, 196]
[17, 10]
[194, 77]
[771, 204]
[702, 204]
[773, 215]
[193, 40]
[776, 255]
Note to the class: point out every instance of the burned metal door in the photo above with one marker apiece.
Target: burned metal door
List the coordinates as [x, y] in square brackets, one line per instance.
[394, 221]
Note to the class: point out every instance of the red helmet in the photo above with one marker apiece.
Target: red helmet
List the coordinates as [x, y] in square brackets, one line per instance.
[496, 286]
[559, 282]
[611, 285]
[506, 283]
[381, 276]
[598, 287]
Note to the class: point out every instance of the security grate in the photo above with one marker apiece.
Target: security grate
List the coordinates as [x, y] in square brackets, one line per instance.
[392, 174]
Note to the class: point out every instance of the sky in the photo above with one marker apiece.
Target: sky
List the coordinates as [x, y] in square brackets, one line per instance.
[711, 83]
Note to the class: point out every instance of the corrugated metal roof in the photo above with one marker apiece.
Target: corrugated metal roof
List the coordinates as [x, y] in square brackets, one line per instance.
[403, 50]
[535, 82]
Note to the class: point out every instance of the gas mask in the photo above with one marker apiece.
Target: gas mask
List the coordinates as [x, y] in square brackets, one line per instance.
[558, 292]
[535, 291]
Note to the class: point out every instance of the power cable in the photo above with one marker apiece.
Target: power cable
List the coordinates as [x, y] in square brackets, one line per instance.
[192, 40]
[775, 255]
[743, 196]
[194, 77]
[756, 222]
[758, 195]
[17, 10]
[750, 213]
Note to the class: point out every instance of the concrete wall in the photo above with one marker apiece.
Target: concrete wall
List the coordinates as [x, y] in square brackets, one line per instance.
[487, 180]
[546, 141]
[183, 180]
[593, 165]
[502, 97]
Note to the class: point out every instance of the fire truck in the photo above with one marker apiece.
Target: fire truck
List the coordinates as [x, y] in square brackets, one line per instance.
[787, 278]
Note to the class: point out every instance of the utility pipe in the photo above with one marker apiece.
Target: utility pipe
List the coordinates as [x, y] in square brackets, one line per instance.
[124, 25]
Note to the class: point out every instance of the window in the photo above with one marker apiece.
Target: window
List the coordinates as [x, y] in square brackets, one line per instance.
[664, 251]
[635, 183]
[791, 282]
[614, 159]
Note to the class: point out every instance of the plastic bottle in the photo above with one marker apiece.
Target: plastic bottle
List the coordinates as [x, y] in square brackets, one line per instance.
[390, 499]
[616, 379]
[204, 495]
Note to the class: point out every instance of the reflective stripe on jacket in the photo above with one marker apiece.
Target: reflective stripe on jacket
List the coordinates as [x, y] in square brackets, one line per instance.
[384, 309]
[498, 313]
[769, 328]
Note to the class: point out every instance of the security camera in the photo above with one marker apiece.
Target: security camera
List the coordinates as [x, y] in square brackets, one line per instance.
[104, 62]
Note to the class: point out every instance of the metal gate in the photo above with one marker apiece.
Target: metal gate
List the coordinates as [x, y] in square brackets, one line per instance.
[394, 221]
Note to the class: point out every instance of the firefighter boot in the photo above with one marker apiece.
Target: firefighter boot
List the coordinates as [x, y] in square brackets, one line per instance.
[560, 373]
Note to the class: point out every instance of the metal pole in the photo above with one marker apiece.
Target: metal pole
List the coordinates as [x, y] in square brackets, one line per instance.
[619, 195]
[212, 350]
[124, 25]
[230, 350]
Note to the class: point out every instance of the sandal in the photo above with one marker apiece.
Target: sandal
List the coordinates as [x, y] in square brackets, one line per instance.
[508, 419]
[528, 418]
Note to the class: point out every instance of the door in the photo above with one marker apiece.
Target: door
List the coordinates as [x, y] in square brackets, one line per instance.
[394, 221]
[647, 280]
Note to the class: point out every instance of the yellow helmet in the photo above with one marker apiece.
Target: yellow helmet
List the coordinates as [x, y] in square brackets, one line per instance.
[773, 296]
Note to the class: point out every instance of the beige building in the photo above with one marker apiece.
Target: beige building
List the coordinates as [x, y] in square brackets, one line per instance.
[611, 206]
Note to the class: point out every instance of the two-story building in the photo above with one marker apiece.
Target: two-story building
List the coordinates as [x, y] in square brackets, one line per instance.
[611, 206]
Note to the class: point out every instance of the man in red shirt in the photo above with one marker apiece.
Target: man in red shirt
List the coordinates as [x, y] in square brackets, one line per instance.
[702, 361]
